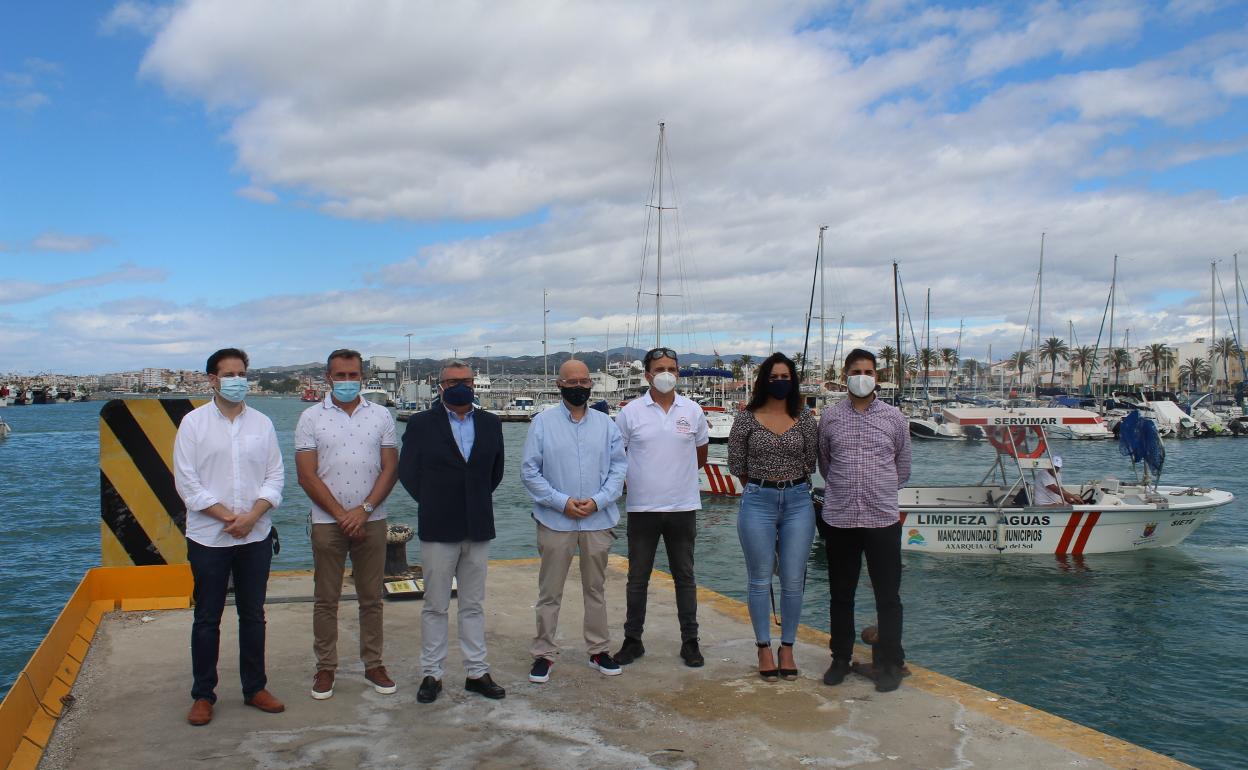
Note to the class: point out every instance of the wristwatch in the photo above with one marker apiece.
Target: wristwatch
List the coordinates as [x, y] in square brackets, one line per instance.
[367, 506]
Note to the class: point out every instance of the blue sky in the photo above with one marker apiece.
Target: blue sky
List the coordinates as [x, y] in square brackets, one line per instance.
[175, 177]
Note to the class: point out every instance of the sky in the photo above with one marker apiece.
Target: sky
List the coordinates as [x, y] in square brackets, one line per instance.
[293, 176]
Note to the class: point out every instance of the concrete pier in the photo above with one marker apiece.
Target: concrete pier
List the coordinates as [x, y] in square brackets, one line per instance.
[131, 698]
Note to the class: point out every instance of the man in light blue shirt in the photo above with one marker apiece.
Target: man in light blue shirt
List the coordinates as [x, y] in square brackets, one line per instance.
[574, 467]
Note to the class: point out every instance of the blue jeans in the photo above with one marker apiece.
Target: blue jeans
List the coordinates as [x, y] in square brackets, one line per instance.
[775, 522]
[211, 568]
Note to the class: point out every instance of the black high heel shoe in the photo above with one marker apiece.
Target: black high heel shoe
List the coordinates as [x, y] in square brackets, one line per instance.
[771, 674]
[788, 674]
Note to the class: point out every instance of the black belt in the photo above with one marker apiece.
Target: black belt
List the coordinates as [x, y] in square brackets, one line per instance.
[780, 484]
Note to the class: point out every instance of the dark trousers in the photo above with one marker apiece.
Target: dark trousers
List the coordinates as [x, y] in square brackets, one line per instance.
[678, 529]
[845, 549]
[211, 568]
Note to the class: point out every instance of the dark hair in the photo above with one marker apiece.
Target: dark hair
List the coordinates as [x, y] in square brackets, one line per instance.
[345, 353]
[792, 404]
[858, 354]
[658, 353]
[221, 355]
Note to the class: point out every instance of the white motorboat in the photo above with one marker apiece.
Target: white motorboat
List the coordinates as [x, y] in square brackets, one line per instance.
[1096, 431]
[714, 478]
[997, 518]
[373, 391]
[718, 424]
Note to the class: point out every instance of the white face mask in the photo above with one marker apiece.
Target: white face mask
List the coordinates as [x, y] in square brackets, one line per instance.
[665, 382]
[861, 385]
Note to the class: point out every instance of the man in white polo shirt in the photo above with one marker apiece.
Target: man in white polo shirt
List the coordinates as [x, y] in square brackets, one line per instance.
[346, 453]
[666, 438]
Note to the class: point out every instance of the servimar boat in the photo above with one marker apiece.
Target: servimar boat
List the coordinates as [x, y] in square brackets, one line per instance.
[999, 518]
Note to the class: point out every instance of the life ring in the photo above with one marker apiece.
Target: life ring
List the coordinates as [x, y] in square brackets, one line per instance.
[1012, 440]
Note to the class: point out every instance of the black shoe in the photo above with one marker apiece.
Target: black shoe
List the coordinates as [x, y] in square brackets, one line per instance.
[631, 650]
[429, 689]
[836, 672]
[888, 678]
[692, 655]
[484, 685]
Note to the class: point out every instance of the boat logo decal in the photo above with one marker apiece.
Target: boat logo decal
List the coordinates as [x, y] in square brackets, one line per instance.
[915, 538]
[1149, 529]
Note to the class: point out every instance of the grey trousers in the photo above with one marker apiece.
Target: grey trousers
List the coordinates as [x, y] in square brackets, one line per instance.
[557, 549]
[466, 562]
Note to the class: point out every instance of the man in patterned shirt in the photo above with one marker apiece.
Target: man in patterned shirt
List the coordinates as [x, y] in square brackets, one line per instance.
[346, 452]
[864, 456]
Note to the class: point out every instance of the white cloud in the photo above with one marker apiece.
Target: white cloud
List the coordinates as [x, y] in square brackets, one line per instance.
[54, 241]
[141, 17]
[15, 291]
[886, 126]
[257, 194]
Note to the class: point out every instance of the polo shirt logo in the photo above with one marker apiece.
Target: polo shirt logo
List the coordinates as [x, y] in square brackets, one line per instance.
[683, 425]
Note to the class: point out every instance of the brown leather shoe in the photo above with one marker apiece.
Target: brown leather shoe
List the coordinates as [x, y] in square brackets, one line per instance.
[265, 701]
[201, 712]
[323, 684]
[381, 681]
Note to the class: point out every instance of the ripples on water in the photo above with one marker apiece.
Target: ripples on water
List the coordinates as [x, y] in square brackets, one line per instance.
[1151, 646]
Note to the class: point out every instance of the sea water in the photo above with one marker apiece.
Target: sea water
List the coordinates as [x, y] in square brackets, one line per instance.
[1151, 646]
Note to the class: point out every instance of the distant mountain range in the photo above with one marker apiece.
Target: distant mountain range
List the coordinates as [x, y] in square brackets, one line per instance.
[594, 359]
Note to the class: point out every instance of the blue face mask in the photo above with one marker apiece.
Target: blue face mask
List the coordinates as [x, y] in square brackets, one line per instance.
[457, 395]
[779, 388]
[346, 391]
[233, 389]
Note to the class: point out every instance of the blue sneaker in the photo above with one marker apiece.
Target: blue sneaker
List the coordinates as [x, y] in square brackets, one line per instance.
[605, 663]
[540, 672]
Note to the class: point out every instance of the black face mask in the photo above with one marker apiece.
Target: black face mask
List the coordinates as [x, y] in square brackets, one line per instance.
[779, 388]
[578, 396]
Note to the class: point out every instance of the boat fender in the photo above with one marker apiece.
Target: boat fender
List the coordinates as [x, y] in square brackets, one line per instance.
[1000, 544]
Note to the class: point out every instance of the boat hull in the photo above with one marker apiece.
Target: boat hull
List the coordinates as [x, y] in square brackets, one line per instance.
[1126, 522]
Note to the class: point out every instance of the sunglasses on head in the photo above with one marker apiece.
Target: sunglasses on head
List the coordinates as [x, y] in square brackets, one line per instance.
[660, 353]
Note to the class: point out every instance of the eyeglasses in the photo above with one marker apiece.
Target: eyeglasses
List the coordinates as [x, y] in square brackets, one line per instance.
[660, 353]
[459, 381]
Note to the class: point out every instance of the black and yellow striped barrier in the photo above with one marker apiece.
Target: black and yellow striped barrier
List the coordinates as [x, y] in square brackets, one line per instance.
[143, 520]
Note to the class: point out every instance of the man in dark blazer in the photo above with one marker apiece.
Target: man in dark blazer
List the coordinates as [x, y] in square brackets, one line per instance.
[451, 463]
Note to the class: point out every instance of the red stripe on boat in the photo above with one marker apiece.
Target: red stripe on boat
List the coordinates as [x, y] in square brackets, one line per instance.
[1071, 525]
[1087, 531]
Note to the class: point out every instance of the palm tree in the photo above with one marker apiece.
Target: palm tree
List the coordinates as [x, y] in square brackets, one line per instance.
[1224, 348]
[949, 359]
[718, 363]
[830, 374]
[1021, 360]
[1154, 356]
[799, 360]
[927, 359]
[1053, 349]
[746, 360]
[738, 368]
[1118, 359]
[1195, 371]
[972, 370]
[908, 363]
[889, 354]
[1083, 358]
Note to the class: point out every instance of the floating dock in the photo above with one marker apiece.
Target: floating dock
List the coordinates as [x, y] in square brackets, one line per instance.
[123, 646]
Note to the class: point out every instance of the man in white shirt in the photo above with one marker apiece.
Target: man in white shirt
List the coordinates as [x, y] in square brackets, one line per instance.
[347, 457]
[227, 468]
[1049, 489]
[666, 438]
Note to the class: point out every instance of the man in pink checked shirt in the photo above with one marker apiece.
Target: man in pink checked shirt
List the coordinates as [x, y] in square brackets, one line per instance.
[864, 456]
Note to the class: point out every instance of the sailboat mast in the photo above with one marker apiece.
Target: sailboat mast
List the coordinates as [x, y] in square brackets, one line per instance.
[658, 281]
[1113, 298]
[1239, 328]
[545, 365]
[897, 323]
[1039, 315]
[926, 352]
[823, 364]
[1213, 309]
